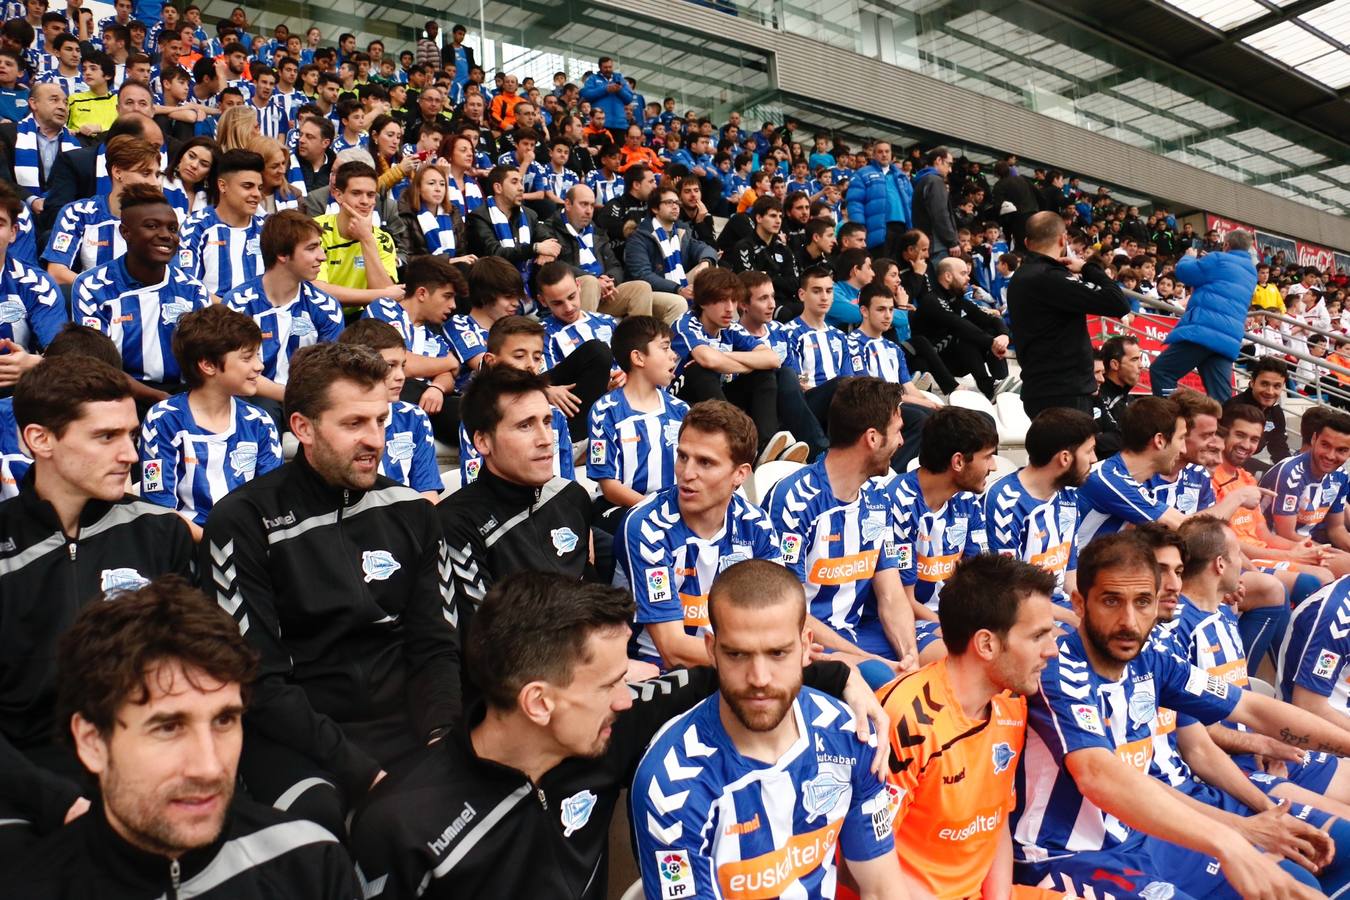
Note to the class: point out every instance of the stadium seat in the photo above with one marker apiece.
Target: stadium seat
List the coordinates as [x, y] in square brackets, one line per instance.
[762, 480]
[934, 397]
[972, 400]
[452, 480]
[1261, 686]
[1012, 419]
[634, 891]
[591, 487]
[445, 454]
[1002, 466]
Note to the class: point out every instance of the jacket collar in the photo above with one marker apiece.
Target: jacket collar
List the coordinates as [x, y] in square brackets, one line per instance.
[42, 511]
[510, 491]
[130, 864]
[303, 474]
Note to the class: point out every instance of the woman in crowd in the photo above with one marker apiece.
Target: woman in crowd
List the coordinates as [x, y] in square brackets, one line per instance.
[456, 164]
[185, 181]
[277, 192]
[237, 125]
[434, 224]
[386, 145]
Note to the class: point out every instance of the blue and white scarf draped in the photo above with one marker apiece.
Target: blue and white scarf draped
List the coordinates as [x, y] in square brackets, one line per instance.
[502, 228]
[585, 247]
[439, 231]
[465, 199]
[295, 177]
[670, 251]
[27, 159]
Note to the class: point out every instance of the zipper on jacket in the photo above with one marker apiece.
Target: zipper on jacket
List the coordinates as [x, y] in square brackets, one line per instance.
[175, 871]
[70, 548]
[543, 801]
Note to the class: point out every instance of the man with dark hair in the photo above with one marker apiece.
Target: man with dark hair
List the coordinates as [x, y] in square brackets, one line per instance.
[72, 536]
[546, 752]
[879, 198]
[637, 185]
[970, 340]
[1122, 362]
[740, 827]
[831, 514]
[932, 203]
[941, 516]
[1153, 436]
[517, 516]
[1108, 664]
[767, 251]
[504, 226]
[337, 575]
[664, 251]
[1266, 388]
[361, 258]
[1050, 297]
[80, 174]
[959, 727]
[1032, 514]
[1310, 487]
[152, 690]
[221, 242]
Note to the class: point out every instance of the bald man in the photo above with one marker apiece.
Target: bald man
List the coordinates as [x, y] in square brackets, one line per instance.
[1049, 299]
[971, 340]
[75, 175]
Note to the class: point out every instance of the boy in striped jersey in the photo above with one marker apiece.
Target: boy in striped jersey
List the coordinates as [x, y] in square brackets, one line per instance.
[199, 445]
[221, 244]
[272, 119]
[1311, 487]
[677, 540]
[837, 528]
[635, 427]
[138, 298]
[751, 792]
[291, 312]
[581, 366]
[1032, 514]
[518, 343]
[409, 448]
[32, 310]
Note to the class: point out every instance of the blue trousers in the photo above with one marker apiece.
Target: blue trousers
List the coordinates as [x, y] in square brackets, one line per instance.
[1182, 357]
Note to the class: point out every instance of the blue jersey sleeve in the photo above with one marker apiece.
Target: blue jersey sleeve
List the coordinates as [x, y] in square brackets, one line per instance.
[327, 318]
[46, 307]
[567, 467]
[469, 460]
[687, 336]
[669, 846]
[423, 474]
[1189, 689]
[1286, 480]
[603, 448]
[1328, 647]
[905, 527]
[1003, 524]
[644, 564]
[1120, 497]
[159, 457]
[742, 340]
[63, 247]
[464, 343]
[977, 538]
[1064, 713]
[269, 445]
[866, 833]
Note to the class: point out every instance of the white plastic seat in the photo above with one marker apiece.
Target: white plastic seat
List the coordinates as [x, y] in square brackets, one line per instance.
[634, 891]
[1261, 686]
[934, 397]
[1012, 420]
[762, 480]
[452, 480]
[1002, 466]
[580, 477]
[972, 400]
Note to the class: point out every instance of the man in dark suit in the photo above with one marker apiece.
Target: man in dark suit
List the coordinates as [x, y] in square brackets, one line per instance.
[74, 175]
[47, 106]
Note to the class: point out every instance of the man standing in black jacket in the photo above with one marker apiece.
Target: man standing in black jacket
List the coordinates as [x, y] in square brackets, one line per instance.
[766, 251]
[338, 576]
[1049, 299]
[71, 537]
[970, 340]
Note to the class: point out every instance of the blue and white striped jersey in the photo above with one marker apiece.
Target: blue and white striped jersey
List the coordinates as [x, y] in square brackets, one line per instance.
[836, 548]
[13, 467]
[410, 449]
[669, 568]
[218, 255]
[558, 182]
[140, 318]
[821, 352]
[420, 339]
[70, 85]
[1190, 492]
[930, 542]
[1111, 498]
[187, 468]
[690, 333]
[635, 448]
[288, 102]
[1300, 493]
[32, 309]
[779, 337]
[1315, 652]
[606, 189]
[471, 462]
[561, 339]
[85, 235]
[877, 357]
[310, 317]
[717, 824]
[24, 248]
[467, 340]
[272, 119]
[1077, 709]
[1041, 532]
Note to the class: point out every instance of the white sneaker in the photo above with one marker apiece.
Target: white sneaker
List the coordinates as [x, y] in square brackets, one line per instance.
[925, 382]
[775, 447]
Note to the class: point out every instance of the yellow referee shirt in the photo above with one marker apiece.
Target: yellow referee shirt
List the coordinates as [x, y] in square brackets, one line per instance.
[345, 265]
[87, 107]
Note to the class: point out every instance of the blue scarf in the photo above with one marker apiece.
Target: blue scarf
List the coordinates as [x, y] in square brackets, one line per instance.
[27, 160]
[439, 231]
[670, 250]
[502, 228]
[467, 199]
[585, 247]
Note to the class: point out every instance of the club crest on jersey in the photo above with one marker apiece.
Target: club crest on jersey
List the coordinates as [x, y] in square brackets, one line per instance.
[378, 565]
[244, 458]
[677, 876]
[671, 432]
[1003, 757]
[564, 540]
[1068, 518]
[11, 311]
[1143, 703]
[302, 327]
[873, 525]
[401, 445]
[739, 553]
[171, 312]
[1326, 664]
[956, 532]
[576, 811]
[1158, 890]
[112, 581]
[822, 793]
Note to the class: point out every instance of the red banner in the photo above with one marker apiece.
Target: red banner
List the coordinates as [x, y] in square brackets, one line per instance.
[1322, 258]
[1151, 331]
[1223, 226]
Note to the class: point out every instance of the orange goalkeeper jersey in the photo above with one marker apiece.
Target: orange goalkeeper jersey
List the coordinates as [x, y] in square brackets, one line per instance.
[951, 780]
[1227, 479]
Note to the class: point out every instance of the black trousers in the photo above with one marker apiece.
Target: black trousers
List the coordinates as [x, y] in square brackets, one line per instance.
[444, 424]
[754, 392]
[1034, 405]
[922, 356]
[965, 358]
[586, 367]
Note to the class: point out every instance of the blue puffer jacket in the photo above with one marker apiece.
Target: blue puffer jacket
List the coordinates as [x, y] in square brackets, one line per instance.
[876, 197]
[1217, 311]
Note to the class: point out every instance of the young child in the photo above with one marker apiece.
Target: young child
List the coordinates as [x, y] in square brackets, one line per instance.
[409, 447]
[517, 342]
[875, 355]
[634, 428]
[352, 125]
[198, 446]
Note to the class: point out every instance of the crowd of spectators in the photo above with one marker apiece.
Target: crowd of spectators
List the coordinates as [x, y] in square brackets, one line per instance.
[721, 397]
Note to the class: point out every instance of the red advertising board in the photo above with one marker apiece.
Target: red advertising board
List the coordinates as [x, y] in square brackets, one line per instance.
[1314, 255]
[1223, 226]
[1151, 331]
